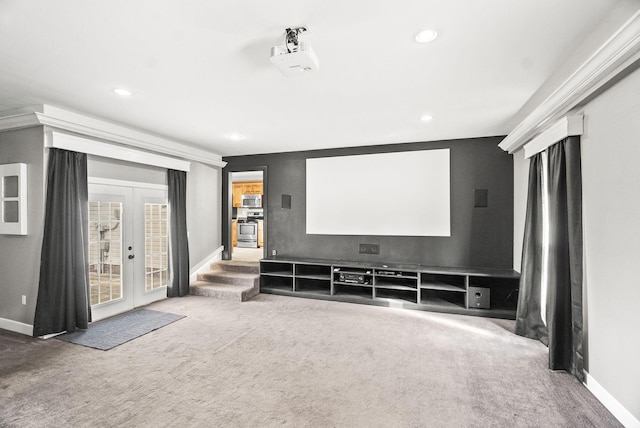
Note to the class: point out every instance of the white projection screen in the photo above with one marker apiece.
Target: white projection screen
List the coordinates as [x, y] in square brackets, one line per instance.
[387, 194]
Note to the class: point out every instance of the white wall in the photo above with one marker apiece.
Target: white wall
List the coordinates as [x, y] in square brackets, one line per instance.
[611, 212]
[204, 211]
[126, 171]
[203, 198]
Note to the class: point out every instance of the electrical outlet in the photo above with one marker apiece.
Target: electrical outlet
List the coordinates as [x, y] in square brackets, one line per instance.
[24, 300]
[369, 249]
[274, 252]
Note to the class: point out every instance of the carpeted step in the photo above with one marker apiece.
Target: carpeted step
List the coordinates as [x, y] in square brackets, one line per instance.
[228, 280]
[225, 291]
[236, 266]
[226, 277]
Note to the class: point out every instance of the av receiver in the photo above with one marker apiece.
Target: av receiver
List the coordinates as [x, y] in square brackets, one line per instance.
[353, 278]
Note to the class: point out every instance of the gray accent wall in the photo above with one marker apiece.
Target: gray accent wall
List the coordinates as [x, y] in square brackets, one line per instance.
[481, 237]
[20, 255]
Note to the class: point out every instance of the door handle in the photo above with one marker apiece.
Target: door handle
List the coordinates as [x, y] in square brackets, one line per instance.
[131, 256]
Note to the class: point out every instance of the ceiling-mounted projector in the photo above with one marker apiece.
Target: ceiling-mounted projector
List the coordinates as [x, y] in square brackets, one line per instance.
[294, 57]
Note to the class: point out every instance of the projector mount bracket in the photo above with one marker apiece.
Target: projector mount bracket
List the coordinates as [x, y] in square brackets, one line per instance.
[292, 37]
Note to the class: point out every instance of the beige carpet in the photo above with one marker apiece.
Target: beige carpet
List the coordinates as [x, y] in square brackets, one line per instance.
[247, 254]
[283, 361]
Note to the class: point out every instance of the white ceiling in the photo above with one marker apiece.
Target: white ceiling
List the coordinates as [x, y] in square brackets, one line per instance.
[200, 70]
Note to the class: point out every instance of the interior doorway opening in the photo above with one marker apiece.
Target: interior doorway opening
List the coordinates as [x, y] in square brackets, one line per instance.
[247, 215]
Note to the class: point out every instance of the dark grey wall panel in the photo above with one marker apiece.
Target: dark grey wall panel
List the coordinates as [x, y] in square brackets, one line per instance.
[480, 236]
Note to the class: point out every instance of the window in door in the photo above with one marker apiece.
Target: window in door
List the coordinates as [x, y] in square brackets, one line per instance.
[105, 251]
[156, 246]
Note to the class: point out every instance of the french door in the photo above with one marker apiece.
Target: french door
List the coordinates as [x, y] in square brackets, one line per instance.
[128, 247]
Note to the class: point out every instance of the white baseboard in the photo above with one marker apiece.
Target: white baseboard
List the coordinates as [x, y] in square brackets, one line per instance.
[618, 410]
[203, 265]
[18, 327]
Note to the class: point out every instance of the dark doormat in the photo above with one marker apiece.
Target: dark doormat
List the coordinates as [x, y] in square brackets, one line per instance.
[111, 332]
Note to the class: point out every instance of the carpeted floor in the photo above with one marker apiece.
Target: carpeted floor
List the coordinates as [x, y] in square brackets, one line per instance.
[282, 361]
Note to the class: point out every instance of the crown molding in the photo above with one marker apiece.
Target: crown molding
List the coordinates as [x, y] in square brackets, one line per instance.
[616, 54]
[18, 121]
[59, 118]
[81, 144]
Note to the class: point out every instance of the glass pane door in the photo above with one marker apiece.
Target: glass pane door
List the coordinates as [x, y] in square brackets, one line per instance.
[128, 247]
[105, 251]
[156, 239]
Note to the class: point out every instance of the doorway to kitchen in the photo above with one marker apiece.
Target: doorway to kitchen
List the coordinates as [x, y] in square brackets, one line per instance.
[247, 215]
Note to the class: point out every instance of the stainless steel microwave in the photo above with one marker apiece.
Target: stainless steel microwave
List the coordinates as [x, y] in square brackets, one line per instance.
[251, 201]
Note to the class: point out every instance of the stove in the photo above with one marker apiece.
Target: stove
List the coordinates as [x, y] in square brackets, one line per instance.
[248, 229]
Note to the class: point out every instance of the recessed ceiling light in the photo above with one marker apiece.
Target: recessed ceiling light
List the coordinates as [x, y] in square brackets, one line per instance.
[426, 36]
[426, 117]
[234, 136]
[123, 92]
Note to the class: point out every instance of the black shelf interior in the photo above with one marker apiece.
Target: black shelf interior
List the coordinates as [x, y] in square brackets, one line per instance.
[276, 268]
[276, 282]
[396, 274]
[443, 298]
[353, 289]
[313, 285]
[313, 271]
[394, 282]
[405, 295]
[504, 291]
[442, 282]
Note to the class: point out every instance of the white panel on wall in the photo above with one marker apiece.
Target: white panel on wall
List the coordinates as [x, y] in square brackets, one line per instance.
[371, 194]
[13, 199]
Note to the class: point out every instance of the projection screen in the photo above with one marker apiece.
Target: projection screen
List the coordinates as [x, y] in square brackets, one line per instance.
[387, 194]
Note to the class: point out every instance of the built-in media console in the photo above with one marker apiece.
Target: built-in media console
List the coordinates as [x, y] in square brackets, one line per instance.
[480, 292]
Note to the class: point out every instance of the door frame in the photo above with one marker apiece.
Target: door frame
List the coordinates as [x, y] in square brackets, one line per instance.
[227, 206]
[134, 293]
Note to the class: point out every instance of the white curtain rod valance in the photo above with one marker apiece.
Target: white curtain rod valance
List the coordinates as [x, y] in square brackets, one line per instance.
[563, 128]
[75, 143]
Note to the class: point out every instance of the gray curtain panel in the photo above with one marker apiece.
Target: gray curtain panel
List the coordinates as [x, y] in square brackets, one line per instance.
[564, 312]
[179, 245]
[63, 290]
[528, 315]
[563, 333]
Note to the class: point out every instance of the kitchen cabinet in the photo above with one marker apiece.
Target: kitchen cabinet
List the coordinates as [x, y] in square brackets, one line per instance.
[260, 228]
[252, 188]
[234, 234]
[237, 193]
[245, 188]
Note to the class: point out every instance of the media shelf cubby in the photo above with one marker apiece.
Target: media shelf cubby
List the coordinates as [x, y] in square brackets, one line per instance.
[393, 285]
[313, 285]
[277, 269]
[429, 288]
[319, 272]
[279, 282]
